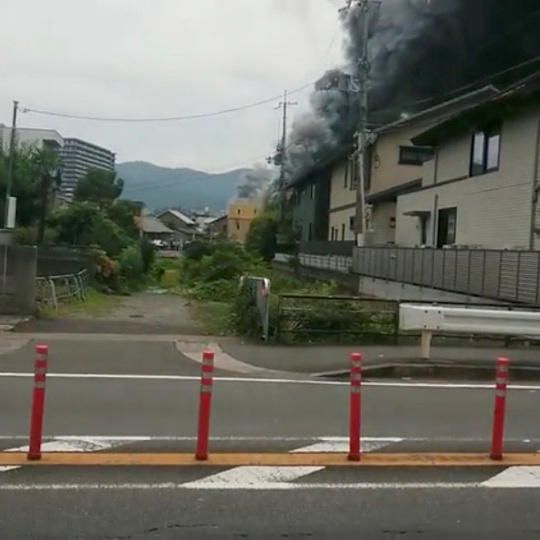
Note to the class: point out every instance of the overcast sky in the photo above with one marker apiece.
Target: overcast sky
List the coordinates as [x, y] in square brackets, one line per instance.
[155, 58]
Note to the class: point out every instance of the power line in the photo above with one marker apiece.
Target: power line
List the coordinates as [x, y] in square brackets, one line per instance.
[459, 89]
[164, 118]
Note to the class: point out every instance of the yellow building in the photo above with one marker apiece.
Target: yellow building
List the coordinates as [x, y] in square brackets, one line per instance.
[241, 214]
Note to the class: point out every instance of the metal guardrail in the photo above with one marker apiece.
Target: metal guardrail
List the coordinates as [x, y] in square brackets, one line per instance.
[315, 317]
[52, 290]
[436, 319]
[342, 249]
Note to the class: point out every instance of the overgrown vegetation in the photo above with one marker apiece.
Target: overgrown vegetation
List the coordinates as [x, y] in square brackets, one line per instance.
[97, 220]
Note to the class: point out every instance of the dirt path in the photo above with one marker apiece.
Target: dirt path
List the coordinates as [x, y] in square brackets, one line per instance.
[140, 313]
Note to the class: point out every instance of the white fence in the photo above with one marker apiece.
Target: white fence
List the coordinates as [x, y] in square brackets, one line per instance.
[52, 290]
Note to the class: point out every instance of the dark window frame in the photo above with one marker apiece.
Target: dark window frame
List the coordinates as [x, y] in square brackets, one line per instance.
[489, 135]
[422, 154]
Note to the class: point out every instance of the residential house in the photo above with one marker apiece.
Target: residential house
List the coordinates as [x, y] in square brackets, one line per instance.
[184, 227]
[153, 229]
[394, 166]
[240, 216]
[216, 227]
[481, 188]
[311, 202]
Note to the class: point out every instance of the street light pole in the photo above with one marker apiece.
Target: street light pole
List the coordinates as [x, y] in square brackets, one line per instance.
[12, 144]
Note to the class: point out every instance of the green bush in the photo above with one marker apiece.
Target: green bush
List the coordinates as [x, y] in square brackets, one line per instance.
[27, 236]
[148, 254]
[131, 264]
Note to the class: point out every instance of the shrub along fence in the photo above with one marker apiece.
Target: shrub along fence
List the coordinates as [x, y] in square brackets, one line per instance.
[346, 319]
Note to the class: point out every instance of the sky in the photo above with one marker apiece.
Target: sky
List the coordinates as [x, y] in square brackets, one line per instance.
[160, 58]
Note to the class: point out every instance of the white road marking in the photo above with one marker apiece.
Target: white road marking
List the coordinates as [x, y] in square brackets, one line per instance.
[228, 486]
[515, 477]
[76, 444]
[341, 444]
[252, 476]
[113, 376]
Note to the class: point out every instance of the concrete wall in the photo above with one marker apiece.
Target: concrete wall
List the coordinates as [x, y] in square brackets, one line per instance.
[18, 289]
[493, 210]
[395, 290]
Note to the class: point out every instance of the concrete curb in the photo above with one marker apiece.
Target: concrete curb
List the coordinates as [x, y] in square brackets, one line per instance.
[371, 460]
[223, 360]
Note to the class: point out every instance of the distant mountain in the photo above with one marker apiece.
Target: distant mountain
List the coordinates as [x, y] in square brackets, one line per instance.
[161, 187]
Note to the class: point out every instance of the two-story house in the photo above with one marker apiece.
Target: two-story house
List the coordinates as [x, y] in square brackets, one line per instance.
[480, 189]
[394, 167]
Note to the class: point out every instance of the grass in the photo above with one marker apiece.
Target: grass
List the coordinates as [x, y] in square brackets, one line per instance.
[96, 304]
[215, 317]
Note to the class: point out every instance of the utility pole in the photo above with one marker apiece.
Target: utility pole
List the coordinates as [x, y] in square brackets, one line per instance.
[12, 144]
[362, 81]
[285, 104]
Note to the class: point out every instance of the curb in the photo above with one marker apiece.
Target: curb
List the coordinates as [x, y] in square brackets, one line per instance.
[368, 460]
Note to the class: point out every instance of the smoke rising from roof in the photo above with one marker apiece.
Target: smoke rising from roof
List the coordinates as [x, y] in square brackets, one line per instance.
[255, 183]
[422, 52]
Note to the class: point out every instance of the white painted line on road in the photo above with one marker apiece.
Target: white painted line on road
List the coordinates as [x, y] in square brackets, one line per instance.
[252, 476]
[135, 377]
[342, 445]
[225, 486]
[78, 444]
[515, 477]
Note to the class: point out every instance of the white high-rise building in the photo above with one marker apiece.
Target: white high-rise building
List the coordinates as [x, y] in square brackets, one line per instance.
[78, 157]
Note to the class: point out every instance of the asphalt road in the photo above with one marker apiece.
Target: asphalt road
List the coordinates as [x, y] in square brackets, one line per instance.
[168, 513]
[136, 388]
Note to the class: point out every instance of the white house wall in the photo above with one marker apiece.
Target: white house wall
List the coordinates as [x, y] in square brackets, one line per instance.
[493, 210]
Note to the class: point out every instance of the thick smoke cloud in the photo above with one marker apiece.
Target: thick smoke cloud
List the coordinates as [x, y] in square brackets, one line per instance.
[255, 183]
[422, 52]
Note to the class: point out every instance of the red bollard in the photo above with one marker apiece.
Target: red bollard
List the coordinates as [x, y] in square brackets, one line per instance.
[354, 407]
[497, 434]
[205, 401]
[38, 402]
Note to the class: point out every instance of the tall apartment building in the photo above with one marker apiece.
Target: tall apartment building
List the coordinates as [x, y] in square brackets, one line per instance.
[77, 158]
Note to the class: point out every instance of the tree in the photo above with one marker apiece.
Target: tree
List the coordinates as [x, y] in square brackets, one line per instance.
[261, 238]
[100, 187]
[26, 186]
[123, 213]
[85, 224]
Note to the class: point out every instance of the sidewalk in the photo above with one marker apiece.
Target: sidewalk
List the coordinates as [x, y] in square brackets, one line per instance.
[317, 359]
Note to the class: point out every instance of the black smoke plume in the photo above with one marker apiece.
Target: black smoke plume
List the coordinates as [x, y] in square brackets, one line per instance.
[422, 52]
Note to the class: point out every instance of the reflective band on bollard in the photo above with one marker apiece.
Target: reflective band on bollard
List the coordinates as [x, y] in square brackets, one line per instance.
[38, 402]
[497, 434]
[354, 407]
[205, 402]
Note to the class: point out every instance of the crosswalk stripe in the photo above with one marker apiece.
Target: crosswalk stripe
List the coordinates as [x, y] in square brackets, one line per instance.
[82, 444]
[255, 477]
[515, 477]
[341, 444]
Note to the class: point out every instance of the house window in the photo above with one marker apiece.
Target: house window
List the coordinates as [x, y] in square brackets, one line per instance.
[332, 233]
[346, 176]
[237, 226]
[446, 228]
[343, 232]
[310, 233]
[415, 155]
[238, 211]
[485, 152]
[352, 223]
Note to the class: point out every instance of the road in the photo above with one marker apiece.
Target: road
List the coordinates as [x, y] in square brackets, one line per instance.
[141, 395]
